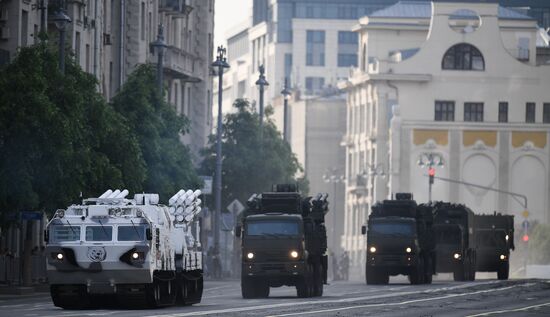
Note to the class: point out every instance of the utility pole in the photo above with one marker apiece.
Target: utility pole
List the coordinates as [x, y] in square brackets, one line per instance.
[261, 82]
[286, 95]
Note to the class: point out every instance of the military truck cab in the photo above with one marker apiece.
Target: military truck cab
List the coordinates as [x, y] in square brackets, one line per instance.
[399, 241]
[283, 243]
[495, 239]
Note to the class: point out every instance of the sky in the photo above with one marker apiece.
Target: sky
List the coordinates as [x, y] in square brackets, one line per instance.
[228, 13]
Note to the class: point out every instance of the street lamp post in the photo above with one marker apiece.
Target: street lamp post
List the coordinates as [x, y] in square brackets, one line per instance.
[160, 47]
[220, 63]
[373, 170]
[430, 160]
[335, 179]
[286, 95]
[261, 82]
[61, 19]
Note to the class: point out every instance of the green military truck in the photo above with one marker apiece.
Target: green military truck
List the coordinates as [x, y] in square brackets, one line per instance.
[284, 242]
[400, 240]
[455, 240]
[495, 238]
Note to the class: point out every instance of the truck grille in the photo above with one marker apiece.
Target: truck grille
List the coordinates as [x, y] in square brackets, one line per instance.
[274, 267]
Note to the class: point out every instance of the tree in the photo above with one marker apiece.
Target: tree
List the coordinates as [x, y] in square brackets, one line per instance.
[539, 244]
[58, 137]
[251, 164]
[158, 129]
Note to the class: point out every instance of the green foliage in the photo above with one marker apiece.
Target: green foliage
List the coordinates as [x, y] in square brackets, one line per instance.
[158, 128]
[539, 244]
[58, 137]
[250, 164]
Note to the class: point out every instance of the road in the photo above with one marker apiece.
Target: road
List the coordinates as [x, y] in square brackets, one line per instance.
[487, 297]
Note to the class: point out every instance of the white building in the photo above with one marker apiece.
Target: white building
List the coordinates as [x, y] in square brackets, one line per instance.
[466, 81]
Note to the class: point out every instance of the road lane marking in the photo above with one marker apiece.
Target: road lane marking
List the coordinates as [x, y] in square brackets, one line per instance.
[401, 303]
[321, 300]
[510, 310]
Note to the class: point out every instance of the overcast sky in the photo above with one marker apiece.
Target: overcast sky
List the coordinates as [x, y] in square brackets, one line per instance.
[228, 13]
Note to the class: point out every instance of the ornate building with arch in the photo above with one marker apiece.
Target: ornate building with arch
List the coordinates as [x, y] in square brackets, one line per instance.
[466, 82]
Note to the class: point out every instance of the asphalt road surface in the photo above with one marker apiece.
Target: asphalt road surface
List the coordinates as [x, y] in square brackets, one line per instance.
[486, 297]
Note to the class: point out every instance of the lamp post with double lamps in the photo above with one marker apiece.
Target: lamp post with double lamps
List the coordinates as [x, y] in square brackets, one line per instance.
[332, 177]
[286, 95]
[261, 83]
[430, 161]
[61, 20]
[219, 64]
[160, 48]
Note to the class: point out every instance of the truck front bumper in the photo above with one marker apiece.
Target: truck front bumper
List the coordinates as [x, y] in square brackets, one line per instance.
[392, 260]
[275, 269]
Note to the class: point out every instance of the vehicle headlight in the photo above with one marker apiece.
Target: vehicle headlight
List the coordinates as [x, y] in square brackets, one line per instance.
[408, 250]
[507, 237]
[294, 254]
[503, 257]
[250, 255]
[59, 256]
[456, 256]
[372, 249]
[135, 255]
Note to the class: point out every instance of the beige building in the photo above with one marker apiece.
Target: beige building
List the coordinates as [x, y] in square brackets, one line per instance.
[464, 82]
[110, 38]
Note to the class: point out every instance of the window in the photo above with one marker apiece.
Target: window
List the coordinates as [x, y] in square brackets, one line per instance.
[131, 233]
[347, 48]
[347, 60]
[315, 51]
[288, 67]
[99, 233]
[142, 22]
[64, 233]
[463, 57]
[88, 61]
[530, 112]
[546, 113]
[314, 84]
[473, 111]
[502, 112]
[24, 27]
[270, 228]
[444, 111]
[77, 47]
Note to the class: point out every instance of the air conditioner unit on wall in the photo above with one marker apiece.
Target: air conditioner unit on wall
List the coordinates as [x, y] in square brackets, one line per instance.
[4, 32]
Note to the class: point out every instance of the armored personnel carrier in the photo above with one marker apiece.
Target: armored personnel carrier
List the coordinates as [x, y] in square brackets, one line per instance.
[135, 250]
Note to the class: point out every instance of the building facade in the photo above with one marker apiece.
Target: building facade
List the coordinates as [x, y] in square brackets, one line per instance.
[463, 82]
[110, 38]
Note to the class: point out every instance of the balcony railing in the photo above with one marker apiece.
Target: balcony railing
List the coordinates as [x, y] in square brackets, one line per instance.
[181, 64]
[176, 7]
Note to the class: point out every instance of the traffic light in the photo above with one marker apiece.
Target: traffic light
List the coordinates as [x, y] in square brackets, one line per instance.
[431, 173]
[525, 238]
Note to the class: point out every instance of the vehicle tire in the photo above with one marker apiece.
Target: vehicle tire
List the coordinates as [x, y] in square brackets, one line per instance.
[70, 296]
[247, 288]
[428, 271]
[262, 289]
[318, 281]
[302, 288]
[417, 274]
[458, 273]
[503, 271]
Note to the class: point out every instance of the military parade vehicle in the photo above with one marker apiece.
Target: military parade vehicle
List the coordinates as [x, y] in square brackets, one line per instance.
[400, 240]
[284, 242]
[135, 250]
[495, 238]
[455, 240]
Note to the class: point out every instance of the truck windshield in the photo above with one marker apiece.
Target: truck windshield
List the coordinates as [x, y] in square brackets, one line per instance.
[99, 233]
[491, 238]
[447, 235]
[268, 228]
[131, 233]
[392, 228]
[64, 233]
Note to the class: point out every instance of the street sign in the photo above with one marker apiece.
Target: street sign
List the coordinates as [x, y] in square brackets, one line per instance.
[525, 213]
[235, 207]
[228, 222]
[31, 215]
[207, 185]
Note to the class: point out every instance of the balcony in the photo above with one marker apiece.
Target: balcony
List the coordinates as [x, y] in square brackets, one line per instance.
[182, 65]
[178, 8]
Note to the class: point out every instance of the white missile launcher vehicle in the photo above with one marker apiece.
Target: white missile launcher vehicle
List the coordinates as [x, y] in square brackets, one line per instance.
[134, 250]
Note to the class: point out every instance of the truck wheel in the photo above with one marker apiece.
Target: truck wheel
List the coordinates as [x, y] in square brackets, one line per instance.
[70, 296]
[472, 276]
[428, 272]
[247, 288]
[503, 271]
[458, 273]
[262, 289]
[417, 274]
[302, 288]
[318, 281]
